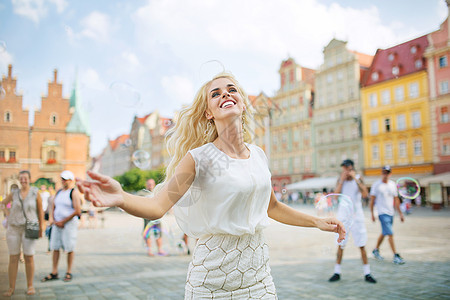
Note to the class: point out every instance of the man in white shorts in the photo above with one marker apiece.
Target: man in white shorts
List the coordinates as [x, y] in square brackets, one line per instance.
[351, 184]
[64, 213]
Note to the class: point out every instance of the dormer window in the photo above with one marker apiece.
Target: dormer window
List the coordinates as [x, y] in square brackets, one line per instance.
[375, 76]
[418, 64]
[395, 71]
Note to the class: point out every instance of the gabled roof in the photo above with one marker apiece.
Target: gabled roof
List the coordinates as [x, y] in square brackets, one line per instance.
[364, 60]
[400, 56]
[119, 141]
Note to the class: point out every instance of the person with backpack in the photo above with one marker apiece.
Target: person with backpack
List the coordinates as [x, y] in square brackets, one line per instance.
[64, 214]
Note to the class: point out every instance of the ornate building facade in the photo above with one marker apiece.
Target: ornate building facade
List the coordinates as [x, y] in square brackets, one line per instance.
[291, 149]
[337, 109]
[58, 140]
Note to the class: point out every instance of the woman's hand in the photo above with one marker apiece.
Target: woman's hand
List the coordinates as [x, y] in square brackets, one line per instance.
[102, 191]
[333, 225]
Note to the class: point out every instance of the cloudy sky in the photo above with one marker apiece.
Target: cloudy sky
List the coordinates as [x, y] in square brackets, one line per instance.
[156, 53]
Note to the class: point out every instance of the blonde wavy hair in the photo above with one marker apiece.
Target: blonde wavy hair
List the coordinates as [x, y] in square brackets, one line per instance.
[189, 129]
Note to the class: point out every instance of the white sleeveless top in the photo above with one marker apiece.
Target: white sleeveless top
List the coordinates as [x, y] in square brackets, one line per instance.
[227, 196]
[63, 205]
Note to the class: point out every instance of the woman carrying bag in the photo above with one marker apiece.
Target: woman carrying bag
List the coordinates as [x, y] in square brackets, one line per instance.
[25, 225]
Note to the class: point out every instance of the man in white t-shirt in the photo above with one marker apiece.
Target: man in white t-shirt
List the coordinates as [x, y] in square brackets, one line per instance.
[384, 195]
[352, 185]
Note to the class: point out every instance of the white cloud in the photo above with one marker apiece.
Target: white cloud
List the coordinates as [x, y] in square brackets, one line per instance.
[36, 9]
[5, 58]
[60, 5]
[96, 26]
[178, 89]
[90, 79]
[130, 59]
[270, 30]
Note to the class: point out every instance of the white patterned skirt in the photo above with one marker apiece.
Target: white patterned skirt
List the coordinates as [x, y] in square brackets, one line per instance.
[230, 267]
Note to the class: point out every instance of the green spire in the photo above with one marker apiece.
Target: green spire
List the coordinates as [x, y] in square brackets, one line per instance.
[79, 122]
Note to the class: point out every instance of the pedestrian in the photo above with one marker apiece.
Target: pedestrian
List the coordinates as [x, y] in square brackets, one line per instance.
[64, 215]
[384, 196]
[222, 190]
[46, 199]
[26, 205]
[352, 185]
[155, 226]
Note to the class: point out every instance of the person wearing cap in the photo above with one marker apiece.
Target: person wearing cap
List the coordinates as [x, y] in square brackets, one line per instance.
[64, 213]
[352, 185]
[384, 196]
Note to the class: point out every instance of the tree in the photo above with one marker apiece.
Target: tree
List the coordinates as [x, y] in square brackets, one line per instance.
[134, 179]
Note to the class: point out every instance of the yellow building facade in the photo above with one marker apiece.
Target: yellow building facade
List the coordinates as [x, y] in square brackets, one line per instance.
[397, 126]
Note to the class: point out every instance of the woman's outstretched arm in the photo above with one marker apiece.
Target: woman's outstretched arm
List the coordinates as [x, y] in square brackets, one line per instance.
[103, 191]
[287, 215]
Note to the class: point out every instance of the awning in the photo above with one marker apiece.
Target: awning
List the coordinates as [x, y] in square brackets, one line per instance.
[443, 178]
[317, 183]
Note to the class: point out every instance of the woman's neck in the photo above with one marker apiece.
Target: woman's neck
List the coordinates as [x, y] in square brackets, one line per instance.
[231, 138]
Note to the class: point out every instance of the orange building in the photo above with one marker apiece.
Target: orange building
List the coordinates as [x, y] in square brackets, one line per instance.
[58, 139]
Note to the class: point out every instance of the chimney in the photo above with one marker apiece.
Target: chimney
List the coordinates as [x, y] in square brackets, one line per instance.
[55, 75]
[9, 70]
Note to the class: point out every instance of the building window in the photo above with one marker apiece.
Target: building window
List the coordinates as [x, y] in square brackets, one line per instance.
[413, 49]
[391, 57]
[2, 156]
[446, 146]
[401, 122]
[443, 61]
[443, 87]
[8, 117]
[414, 90]
[387, 124]
[375, 152]
[444, 114]
[53, 119]
[418, 63]
[395, 71]
[12, 156]
[402, 149]
[374, 127]
[388, 151]
[386, 97]
[416, 122]
[373, 100]
[417, 147]
[399, 93]
[329, 78]
[375, 76]
[51, 157]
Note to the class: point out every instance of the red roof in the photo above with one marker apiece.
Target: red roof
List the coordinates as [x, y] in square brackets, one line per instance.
[402, 59]
[308, 75]
[166, 123]
[252, 99]
[364, 60]
[119, 141]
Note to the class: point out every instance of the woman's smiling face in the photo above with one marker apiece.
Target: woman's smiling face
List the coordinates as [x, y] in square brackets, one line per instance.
[224, 100]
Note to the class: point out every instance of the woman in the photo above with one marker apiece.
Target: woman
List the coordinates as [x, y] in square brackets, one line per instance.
[222, 190]
[25, 201]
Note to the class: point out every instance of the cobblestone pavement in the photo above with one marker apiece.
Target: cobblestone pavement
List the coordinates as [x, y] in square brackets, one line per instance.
[111, 262]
